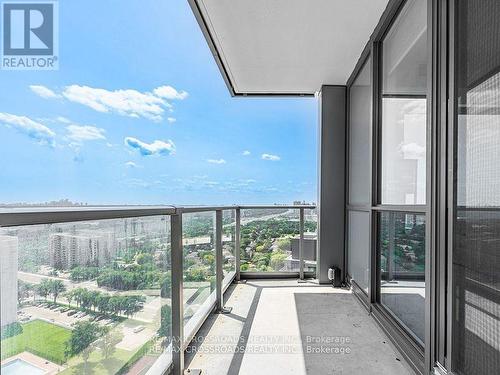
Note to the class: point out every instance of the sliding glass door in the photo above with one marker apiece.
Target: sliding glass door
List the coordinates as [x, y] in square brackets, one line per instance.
[402, 169]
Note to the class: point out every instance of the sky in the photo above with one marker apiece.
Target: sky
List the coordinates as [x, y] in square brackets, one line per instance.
[138, 113]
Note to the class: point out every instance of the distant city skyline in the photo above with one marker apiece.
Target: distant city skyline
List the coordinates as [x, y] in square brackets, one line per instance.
[138, 113]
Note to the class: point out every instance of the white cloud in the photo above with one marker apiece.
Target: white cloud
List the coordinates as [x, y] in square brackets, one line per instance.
[270, 157]
[131, 164]
[155, 148]
[125, 102]
[246, 153]
[27, 126]
[64, 120]
[44, 92]
[216, 161]
[83, 133]
[412, 150]
[130, 103]
[168, 92]
[171, 120]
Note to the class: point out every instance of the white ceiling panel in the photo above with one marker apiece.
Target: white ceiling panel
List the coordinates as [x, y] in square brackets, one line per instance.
[287, 46]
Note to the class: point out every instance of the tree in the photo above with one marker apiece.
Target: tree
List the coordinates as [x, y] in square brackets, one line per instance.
[44, 288]
[166, 321]
[132, 304]
[85, 356]
[108, 342]
[277, 261]
[34, 290]
[82, 336]
[56, 287]
[166, 285]
[94, 297]
[196, 274]
[283, 244]
[78, 294]
[114, 305]
[144, 259]
[23, 290]
[209, 259]
[103, 303]
[70, 296]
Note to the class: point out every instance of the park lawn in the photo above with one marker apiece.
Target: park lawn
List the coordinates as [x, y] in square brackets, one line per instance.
[41, 338]
[97, 364]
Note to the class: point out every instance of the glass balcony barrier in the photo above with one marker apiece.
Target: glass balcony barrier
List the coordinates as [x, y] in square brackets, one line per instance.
[278, 240]
[99, 290]
[85, 297]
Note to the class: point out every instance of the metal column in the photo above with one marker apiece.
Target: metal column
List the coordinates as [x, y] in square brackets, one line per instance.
[177, 298]
[301, 245]
[219, 275]
[237, 245]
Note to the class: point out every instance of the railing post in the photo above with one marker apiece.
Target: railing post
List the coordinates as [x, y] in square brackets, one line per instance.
[176, 255]
[237, 244]
[301, 245]
[219, 273]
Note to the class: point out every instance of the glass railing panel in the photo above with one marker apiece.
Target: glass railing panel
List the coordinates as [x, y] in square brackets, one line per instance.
[198, 233]
[228, 245]
[310, 239]
[267, 237]
[85, 297]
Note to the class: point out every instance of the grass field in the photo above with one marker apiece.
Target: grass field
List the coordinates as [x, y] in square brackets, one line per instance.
[41, 338]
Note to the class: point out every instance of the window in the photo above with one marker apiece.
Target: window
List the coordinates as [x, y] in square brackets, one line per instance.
[359, 138]
[404, 54]
[402, 268]
[358, 221]
[401, 235]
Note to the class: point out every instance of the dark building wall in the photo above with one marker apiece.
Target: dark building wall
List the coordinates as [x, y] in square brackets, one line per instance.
[331, 186]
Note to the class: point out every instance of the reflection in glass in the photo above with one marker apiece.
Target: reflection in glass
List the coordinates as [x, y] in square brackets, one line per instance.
[310, 240]
[228, 243]
[404, 90]
[359, 138]
[402, 268]
[270, 238]
[91, 295]
[403, 151]
[359, 248]
[198, 237]
[476, 245]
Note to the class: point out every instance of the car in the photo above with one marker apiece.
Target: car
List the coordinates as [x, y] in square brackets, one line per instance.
[71, 313]
[138, 329]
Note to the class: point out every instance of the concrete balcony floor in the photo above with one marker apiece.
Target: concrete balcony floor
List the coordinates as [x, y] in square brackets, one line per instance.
[274, 326]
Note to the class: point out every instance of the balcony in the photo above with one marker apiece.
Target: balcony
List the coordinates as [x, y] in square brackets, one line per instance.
[98, 289]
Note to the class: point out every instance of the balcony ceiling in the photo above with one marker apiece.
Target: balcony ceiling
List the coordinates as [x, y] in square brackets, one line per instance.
[286, 46]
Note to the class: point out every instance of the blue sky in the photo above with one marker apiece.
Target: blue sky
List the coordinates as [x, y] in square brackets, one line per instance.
[138, 113]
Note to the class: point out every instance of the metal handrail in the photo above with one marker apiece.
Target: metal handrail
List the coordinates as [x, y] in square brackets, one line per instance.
[10, 217]
[18, 216]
